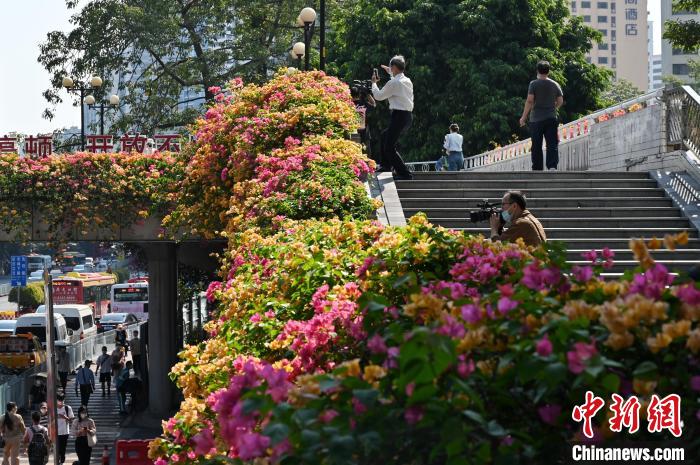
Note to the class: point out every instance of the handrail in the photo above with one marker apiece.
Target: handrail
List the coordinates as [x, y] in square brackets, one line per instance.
[683, 118]
[567, 133]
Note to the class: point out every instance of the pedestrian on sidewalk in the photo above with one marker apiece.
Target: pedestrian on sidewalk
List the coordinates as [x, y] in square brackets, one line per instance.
[85, 382]
[12, 429]
[399, 92]
[63, 366]
[453, 148]
[104, 369]
[135, 347]
[65, 419]
[117, 360]
[120, 337]
[544, 97]
[83, 427]
[37, 393]
[120, 382]
[38, 441]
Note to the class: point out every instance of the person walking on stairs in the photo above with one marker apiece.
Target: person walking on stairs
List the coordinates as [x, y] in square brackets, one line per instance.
[83, 429]
[38, 442]
[104, 369]
[12, 429]
[65, 419]
[85, 382]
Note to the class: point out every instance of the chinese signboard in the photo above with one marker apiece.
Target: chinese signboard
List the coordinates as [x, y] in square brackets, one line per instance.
[67, 292]
[42, 145]
[631, 17]
[18, 270]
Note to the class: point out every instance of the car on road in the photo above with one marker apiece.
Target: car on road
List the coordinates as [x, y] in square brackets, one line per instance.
[35, 276]
[79, 318]
[110, 321]
[20, 352]
[35, 324]
[7, 327]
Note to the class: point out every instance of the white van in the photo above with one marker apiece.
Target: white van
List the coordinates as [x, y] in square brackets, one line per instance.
[36, 324]
[79, 319]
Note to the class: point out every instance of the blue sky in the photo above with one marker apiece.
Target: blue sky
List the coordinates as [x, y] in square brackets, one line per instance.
[22, 79]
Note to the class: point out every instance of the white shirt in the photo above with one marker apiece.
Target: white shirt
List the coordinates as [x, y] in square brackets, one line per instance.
[399, 91]
[63, 425]
[453, 142]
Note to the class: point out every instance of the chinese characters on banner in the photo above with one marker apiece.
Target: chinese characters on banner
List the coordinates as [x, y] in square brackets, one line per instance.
[662, 414]
[631, 16]
[42, 145]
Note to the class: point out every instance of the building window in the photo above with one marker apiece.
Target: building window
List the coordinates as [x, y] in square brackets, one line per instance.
[613, 35]
[678, 51]
[614, 63]
[602, 19]
[613, 49]
[586, 18]
[612, 7]
[613, 21]
[602, 46]
[585, 4]
[683, 12]
[588, 59]
[573, 7]
[681, 69]
[603, 5]
[604, 32]
[602, 60]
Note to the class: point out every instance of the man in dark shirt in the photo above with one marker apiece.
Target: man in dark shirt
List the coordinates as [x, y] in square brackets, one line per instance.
[544, 97]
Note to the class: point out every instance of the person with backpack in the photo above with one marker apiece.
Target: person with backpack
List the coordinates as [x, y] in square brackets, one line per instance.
[12, 429]
[120, 382]
[84, 429]
[38, 442]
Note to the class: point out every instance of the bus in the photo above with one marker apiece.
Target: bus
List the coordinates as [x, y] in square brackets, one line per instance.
[36, 262]
[131, 297]
[92, 289]
[67, 260]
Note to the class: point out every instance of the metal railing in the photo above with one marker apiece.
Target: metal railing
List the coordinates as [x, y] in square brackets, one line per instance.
[572, 158]
[15, 388]
[683, 118]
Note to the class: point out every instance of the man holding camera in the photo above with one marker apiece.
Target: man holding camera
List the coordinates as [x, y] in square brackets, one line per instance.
[520, 222]
[399, 92]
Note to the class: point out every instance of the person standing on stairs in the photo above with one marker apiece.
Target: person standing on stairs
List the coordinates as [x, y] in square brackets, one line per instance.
[12, 429]
[399, 92]
[85, 382]
[38, 441]
[83, 427]
[453, 149]
[544, 97]
[63, 365]
[65, 419]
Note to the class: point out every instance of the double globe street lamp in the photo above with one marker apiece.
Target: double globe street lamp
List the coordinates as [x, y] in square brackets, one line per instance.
[307, 20]
[83, 88]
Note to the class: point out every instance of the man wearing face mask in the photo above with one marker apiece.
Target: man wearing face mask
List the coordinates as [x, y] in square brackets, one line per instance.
[65, 418]
[519, 221]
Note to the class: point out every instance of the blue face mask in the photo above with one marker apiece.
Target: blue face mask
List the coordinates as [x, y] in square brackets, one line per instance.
[506, 216]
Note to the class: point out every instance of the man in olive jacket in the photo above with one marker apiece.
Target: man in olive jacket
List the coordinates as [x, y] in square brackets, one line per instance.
[519, 221]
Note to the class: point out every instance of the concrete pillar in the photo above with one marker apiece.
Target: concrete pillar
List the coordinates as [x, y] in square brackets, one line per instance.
[162, 325]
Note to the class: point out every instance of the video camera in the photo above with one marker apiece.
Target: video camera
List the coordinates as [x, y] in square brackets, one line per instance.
[485, 211]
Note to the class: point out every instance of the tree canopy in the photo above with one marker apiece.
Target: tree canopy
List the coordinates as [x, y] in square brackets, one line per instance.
[470, 61]
[620, 91]
[684, 33]
[164, 55]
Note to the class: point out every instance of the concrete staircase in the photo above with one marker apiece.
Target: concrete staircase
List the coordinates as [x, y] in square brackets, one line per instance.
[587, 210]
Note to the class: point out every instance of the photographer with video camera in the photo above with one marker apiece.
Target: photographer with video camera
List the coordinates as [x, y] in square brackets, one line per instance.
[361, 93]
[399, 92]
[519, 222]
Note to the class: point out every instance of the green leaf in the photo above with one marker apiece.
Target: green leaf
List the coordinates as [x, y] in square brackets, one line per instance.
[474, 416]
[646, 370]
[611, 382]
[277, 432]
[495, 429]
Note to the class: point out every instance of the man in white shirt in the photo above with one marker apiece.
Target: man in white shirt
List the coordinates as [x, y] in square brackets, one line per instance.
[453, 148]
[65, 418]
[399, 92]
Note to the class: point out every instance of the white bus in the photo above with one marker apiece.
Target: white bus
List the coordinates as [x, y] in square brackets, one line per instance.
[36, 262]
[130, 298]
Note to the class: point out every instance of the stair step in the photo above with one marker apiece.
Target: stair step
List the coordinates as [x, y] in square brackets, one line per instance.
[551, 212]
[599, 234]
[421, 175]
[585, 244]
[527, 184]
[628, 193]
[425, 201]
[599, 223]
[626, 254]
[622, 265]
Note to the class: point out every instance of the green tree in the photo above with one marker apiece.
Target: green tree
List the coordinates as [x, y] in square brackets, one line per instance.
[684, 33]
[470, 62]
[153, 50]
[620, 91]
[671, 80]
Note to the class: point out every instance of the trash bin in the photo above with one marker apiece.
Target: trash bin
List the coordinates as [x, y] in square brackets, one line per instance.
[133, 452]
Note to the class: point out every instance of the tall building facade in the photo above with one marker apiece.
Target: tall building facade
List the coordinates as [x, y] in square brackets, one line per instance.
[675, 61]
[623, 49]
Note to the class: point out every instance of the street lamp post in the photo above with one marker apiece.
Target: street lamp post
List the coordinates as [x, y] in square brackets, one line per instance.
[307, 17]
[299, 50]
[322, 36]
[113, 103]
[81, 89]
